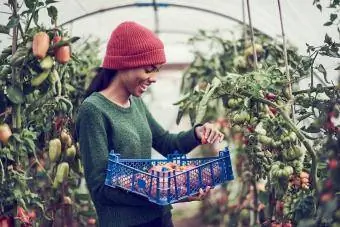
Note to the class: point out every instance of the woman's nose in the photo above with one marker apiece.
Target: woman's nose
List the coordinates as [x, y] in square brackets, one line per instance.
[152, 79]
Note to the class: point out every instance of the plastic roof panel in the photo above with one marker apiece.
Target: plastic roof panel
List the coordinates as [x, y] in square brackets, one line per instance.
[302, 21]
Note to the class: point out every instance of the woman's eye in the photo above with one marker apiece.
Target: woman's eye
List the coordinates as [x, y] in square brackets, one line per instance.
[152, 69]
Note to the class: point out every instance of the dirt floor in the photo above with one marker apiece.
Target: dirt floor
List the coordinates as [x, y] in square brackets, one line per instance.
[189, 222]
[187, 215]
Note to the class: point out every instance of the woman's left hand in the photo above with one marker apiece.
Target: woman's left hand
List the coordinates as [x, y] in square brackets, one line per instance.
[208, 133]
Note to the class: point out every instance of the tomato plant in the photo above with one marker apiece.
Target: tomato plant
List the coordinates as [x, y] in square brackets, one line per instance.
[279, 137]
[40, 169]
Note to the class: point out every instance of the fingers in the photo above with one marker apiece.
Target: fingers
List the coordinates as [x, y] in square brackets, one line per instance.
[218, 137]
[202, 194]
[207, 131]
[211, 134]
[221, 137]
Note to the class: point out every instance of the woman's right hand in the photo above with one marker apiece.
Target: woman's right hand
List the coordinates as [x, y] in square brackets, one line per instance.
[201, 195]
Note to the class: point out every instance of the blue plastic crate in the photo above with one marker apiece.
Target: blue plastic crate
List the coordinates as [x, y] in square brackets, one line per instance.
[166, 187]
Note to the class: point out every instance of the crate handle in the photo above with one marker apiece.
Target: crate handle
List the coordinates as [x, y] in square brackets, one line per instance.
[114, 156]
[176, 154]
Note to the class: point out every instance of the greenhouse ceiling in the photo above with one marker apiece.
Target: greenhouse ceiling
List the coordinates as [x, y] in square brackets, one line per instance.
[177, 21]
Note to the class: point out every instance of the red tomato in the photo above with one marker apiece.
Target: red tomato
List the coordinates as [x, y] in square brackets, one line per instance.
[332, 163]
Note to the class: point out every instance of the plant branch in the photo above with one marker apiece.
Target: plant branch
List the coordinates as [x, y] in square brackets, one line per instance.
[312, 71]
[286, 60]
[41, 166]
[244, 21]
[5, 12]
[31, 17]
[2, 172]
[256, 202]
[252, 36]
[316, 89]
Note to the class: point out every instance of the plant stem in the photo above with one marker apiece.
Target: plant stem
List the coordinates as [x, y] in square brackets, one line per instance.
[32, 15]
[16, 116]
[14, 48]
[2, 172]
[252, 36]
[42, 167]
[271, 199]
[156, 19]
[253, 182]
[286, 60]
[63, 210]
[316, 89]
[245, 36]
[312, 70]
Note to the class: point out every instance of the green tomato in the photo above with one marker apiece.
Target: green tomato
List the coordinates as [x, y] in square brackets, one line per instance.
[337, 215]
[265, 140]
[297, 152]
[285, 154]
[238, 118]
[292, 137]
[245, 216]
[236, 128]
[288, 171]
[253, 121]
[286, 139]
[245, 115]
[277, 144]
[232, 103]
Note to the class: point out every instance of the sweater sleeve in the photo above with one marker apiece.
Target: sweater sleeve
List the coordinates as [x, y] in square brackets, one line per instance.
[165, 142]
[92, 137]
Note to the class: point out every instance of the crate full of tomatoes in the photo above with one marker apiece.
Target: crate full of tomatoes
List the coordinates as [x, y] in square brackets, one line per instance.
[166, 181]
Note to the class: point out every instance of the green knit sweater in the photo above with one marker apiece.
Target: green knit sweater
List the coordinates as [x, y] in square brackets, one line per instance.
[103, 126]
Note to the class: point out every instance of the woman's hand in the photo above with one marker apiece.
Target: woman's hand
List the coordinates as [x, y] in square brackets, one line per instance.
[201, 195]
[208, 133]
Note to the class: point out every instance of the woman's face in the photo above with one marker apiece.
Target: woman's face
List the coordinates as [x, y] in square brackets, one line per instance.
[138, 80]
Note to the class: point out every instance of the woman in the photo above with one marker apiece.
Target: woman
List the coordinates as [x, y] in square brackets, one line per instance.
[114, 117]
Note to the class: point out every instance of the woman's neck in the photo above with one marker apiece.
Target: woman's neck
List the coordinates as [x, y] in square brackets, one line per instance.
[117, 94]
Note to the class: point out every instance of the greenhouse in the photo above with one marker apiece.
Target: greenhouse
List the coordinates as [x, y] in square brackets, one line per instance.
[170, 113]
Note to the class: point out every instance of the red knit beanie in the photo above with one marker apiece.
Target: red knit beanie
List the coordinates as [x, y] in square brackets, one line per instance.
[131, 45]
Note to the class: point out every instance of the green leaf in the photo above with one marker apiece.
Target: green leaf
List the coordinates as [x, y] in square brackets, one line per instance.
[203, 105]
[30, 145]
[4, 29]
[50, 2]
[328, 23]
[305, 208]
[322, 70]
[29, 3]
[52, 13]
[15, 95]
[73, 39]
[14, 21]
[328, 39]
[319, 7]
[70, 88]
[333, 17]
[36, 17]
[81, 196]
